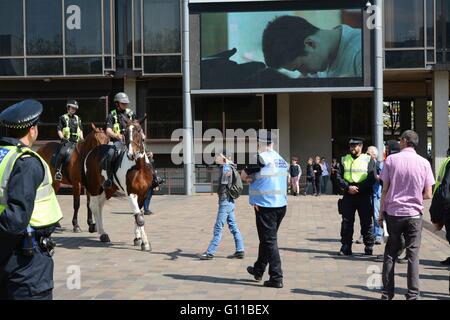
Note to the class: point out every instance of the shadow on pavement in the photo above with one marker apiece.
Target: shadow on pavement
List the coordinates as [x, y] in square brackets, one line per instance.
[324, 240]
[400, 292]
[332, 254]
[174, 255]
[331, 294]
[210, 279]
[79, 243]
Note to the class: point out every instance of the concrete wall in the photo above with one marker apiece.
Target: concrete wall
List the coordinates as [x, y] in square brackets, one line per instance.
[130, 90]
[310, 127]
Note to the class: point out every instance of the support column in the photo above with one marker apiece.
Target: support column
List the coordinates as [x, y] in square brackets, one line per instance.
[420, 125]
[405, 115]
[378, 130]
[440, 118]
[129, 87]
[283, 124]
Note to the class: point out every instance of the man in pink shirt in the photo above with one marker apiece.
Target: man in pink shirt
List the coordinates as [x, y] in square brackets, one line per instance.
[407, 181]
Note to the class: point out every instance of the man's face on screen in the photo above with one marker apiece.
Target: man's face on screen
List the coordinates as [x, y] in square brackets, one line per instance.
[312, 62]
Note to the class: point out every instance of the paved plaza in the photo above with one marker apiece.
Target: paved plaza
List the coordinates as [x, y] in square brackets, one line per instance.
[182, 227]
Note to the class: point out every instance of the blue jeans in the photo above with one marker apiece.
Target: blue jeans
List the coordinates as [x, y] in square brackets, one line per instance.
[377, 229]
[148, 199]
[226, 214]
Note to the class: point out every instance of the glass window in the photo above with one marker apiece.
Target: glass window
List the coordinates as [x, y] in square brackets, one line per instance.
[11, 67]
[83, 26]
[164, 115]
[162, 26]
[44, 29]
[430, 23]
[405, 59]
[11, 28]
[243, 112]
[209, 110]
[82, 66]
[162, 64]
[107, 20]
[50, 67]
[137, 27]
[404, 23]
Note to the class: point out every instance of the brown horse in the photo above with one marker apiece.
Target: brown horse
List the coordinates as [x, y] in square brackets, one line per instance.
[72, 175]
[134, 176]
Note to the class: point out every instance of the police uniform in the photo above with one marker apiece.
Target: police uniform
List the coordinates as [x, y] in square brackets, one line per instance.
[29, 211]
[361, 172]
[268, 192]
[117, 121]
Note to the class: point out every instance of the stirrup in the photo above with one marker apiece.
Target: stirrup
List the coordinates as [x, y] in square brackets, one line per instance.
[107, 184]
[58, 176]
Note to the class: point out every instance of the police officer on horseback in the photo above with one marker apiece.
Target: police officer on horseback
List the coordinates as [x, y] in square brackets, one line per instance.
[29, 210]
[70, 132]
[116, 123]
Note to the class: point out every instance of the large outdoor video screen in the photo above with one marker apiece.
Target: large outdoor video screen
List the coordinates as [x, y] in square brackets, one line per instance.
[281, 49]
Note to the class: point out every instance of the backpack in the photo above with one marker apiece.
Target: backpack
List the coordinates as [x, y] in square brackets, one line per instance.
[235, 190]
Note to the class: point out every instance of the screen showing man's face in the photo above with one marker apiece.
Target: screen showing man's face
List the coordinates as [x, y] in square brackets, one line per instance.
[278, 49]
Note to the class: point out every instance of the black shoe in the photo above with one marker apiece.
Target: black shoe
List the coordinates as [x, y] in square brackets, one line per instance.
[346, 250]
[206, 256]
[148, 212]
[107, 184]
[368, 250]
[237, 255]
[446, 262]
[273, 284]
[251, 270]
[58, 176]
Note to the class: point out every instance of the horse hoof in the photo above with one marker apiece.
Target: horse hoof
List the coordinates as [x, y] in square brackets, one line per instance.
[137, 242]
[146, 247]
[92, 228]
[104, 238]
[77, 229]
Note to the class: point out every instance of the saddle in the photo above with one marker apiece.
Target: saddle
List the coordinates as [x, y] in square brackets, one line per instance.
[62, 155]
[116, 152]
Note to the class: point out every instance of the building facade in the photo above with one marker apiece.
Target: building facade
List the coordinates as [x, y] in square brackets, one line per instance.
[52, 50]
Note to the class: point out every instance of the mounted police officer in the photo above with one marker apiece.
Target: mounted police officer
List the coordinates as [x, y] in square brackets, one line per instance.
[356, 178]
[116, 123]
[268, 196]
[70, 132]
[29, 209]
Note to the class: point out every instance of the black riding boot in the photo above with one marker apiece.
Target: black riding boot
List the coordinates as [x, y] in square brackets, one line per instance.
[109, 169]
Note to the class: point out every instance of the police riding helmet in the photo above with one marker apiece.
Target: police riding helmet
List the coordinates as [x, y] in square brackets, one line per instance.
[121, 97]
[72, 103]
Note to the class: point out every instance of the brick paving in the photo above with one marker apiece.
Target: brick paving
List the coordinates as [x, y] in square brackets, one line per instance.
[182, 227]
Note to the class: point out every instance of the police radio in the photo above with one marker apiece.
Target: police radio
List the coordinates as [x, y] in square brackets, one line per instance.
[29, 242]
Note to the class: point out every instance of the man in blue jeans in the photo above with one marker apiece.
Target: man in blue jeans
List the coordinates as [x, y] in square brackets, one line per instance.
[377, 187]
[225, 212]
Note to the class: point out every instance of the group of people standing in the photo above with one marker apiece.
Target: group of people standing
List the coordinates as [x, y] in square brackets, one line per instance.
[318, 174]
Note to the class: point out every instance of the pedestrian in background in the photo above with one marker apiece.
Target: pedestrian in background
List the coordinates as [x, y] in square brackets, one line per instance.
[407, 181]
[325, 175]
[310, 177]
[334, 170]
[317, 175]
[295, 172]
[376, 197]
[226, 211]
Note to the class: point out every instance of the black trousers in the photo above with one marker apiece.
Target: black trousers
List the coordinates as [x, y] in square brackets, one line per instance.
[363, 204]
[27, 278]
[318, 184]
[268, 221]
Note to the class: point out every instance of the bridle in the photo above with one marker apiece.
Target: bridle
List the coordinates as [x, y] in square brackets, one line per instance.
[140, 146]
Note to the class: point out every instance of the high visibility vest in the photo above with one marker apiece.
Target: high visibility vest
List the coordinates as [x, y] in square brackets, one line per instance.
[46, 210]
[269, 188]
[66, 130]
[116, 125]
[441, 174]
[356, 170]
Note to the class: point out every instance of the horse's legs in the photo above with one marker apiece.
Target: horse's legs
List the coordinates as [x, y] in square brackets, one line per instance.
[90, 222]
[96, 205]
[76, 206]
[139, 222]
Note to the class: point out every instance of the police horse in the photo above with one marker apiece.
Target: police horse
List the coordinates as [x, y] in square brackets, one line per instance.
[73, 167]
[133, 175]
